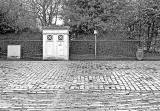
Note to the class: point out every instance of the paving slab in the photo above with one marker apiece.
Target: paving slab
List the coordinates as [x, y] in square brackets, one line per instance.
[80, 85]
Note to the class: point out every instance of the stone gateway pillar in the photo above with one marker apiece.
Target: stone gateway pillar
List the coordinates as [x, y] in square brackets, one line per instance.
[56, 43]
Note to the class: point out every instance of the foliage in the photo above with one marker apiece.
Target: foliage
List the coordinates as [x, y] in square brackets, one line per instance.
[17, 15]
[141, 18]
[87, 15]
[14, 16]
[45, 10]
[147, 22]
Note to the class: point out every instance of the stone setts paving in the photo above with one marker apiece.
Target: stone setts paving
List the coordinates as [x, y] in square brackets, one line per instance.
[80, 86]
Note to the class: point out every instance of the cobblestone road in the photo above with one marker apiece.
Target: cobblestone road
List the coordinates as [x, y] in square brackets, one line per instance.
[79, 86]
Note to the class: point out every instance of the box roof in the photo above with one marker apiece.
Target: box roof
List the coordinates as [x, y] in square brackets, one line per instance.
[56, 28]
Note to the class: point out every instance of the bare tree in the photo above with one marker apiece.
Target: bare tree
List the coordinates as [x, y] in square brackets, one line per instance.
[45, 10]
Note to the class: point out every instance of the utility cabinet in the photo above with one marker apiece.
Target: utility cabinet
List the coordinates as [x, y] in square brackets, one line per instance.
[14, 52]
[56, 43]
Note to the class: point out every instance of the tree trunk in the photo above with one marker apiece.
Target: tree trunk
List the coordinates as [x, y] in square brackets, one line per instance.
[149, 41]
[50, 16]
[56, 15]
[156, 36]
[140, 31]
[148, 46]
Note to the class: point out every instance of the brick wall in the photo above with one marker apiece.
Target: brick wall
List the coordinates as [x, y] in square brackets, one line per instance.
[105, 48]
[29, 49]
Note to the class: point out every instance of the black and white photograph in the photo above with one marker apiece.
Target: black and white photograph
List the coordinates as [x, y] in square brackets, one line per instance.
[79, 55]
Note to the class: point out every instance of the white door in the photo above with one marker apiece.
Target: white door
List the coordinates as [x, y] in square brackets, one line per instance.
[60, 46]
[49, 46]
[60, 49]
[50, 49]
